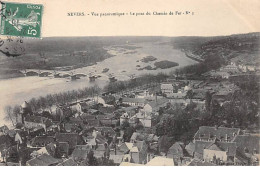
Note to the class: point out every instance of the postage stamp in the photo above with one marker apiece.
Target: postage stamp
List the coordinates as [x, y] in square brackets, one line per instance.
[19, 19]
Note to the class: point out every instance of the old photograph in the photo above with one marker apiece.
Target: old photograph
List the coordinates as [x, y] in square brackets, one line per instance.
[184, 99]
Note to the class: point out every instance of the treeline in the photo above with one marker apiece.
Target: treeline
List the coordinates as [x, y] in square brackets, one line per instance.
[196, 70]
[146, 79]
[239, 111]
[49, 100]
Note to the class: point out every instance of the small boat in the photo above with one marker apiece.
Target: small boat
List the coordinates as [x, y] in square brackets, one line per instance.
[105, 70]
[112, 78]
[92, 77]
[74, 77]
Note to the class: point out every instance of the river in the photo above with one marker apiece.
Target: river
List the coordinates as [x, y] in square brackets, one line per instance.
[122, 66]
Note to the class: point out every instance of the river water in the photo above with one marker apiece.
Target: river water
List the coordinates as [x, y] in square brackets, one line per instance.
[122, 66]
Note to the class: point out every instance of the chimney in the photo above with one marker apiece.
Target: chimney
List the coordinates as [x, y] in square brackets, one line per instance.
[226, 137]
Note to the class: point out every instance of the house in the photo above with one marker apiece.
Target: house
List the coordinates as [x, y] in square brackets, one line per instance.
[63, 148]
[4, 129]
[95, 139]
[248, 149]
[124, 148]
[198, 162]
[43, 160]
[36, 121]
[106, 131]
[130, 164]
[167, 88]
[82, 107]
[68, 162]
[224, 134]
[117, 159]
[144, 118]
[41, 141]
[160, 161]
[38, 131]
[190, 149]
[176, 152]
[86, 117]
[62, 112]
[124, 117]
[134, 101]
[164, 143]
[72, 139]
[220, 153]
[42, 151]
[101, 151]
[80, 152]
[94, 123]
[138, 152]
[155, 105]
[109, 99]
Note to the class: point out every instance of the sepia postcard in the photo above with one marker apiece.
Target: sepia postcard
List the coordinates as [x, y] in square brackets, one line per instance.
[129, 83]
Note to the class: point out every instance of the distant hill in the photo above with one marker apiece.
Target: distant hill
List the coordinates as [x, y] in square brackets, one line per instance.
[222, 47]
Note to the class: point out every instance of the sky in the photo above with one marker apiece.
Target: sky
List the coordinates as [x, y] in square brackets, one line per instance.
[211, 17]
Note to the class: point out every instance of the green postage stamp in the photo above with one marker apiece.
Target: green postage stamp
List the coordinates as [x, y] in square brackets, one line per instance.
[19, 19]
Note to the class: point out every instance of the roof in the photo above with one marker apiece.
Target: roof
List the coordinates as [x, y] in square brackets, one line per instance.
[42, 140]
[200, 145]
[166, 86]
[101, 147]
[81, 151]
[116, 158]
[160, 161]
[85, 116]
[190, 148]
[228, 147]
[4, 129]
[152, 137]
[197, 162]
[133, 100]
[165, 143]
[139, 144]
[6, 140]
[83, 105]
[38, 119]
[136, 136]
[43, 160]
[68, 162]
[105, 116]
[64, 146]
[108, 110]
[247, 142]
[94, 123]
[108, 130]
[218, 132]
[159, 102]
[176, 149]
[134, 150]
[42, 151]
[25, 105]
[143, 115]
[71, 138]
[130, 164]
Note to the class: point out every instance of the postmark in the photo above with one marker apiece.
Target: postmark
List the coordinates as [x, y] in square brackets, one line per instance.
[20, 19]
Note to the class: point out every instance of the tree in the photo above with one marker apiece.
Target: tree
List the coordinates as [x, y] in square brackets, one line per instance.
[125, 124]
[208, 98]
[91, 159]
[16, 112]
[128, 133]
[9, 114]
